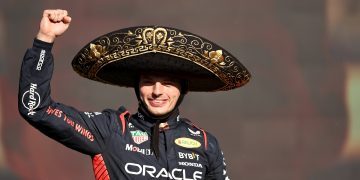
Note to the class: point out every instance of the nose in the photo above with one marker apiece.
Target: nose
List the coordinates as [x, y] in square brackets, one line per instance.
[157, 88]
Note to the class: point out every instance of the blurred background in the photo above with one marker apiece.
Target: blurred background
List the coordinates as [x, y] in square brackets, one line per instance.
[298, 118]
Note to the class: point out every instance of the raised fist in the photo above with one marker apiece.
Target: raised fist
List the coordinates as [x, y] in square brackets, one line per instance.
[53, 24]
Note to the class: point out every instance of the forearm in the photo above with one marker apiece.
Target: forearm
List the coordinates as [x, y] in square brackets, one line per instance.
[35, 76]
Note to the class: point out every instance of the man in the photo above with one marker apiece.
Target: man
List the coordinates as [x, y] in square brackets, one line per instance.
[162, 65]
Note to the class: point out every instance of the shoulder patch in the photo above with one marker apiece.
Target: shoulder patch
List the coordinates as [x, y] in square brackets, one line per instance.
[196, 132]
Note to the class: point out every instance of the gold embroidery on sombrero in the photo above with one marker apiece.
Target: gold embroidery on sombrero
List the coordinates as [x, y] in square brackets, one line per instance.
[132, 42]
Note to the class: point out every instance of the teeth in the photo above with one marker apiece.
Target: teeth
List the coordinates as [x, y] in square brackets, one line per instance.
[157, 100]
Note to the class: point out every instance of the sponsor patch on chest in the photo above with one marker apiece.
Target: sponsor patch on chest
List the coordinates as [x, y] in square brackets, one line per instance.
[187, 142]
[139, 136]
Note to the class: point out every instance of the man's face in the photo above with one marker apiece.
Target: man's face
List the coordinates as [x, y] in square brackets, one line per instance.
[159, 92]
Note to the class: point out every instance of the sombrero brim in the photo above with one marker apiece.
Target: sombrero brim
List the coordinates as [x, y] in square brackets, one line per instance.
[119, 57]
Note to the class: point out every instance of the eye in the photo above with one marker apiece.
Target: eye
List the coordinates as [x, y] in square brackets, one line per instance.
[166, 83]
[170, 83]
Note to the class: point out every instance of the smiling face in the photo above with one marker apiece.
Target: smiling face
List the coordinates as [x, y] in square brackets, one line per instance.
[159, 93]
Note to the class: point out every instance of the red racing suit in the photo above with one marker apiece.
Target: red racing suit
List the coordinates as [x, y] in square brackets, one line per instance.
[117, 142]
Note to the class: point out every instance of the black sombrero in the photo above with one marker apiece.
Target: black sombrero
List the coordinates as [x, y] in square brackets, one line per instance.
[118, 57]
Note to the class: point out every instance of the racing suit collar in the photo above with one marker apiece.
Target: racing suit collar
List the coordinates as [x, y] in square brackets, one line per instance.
[146, 122]
[151, 125]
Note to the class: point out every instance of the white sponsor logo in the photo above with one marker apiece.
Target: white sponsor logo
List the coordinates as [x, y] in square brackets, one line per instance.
[151, 171]
[140, 116]
[198, 165]
[31, 99]
[131, 125]
[92, 114]
[130, 147]
[194, 133]
[41, 60]
[188, 156]
[223, 158]
[224, 170]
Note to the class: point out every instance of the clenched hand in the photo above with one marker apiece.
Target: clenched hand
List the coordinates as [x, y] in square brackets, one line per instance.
[53, 24]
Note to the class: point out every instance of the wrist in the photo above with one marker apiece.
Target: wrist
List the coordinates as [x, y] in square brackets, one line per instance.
[39, 44]
[45, 37]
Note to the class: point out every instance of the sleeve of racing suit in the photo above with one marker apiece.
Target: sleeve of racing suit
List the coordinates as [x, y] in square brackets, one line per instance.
[217, 165]
[81, 131]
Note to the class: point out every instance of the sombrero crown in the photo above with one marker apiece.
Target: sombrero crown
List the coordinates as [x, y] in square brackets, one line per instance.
[119, 57]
